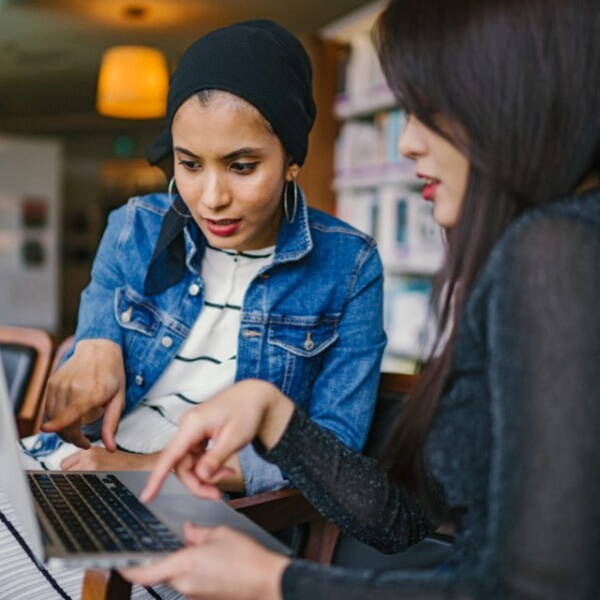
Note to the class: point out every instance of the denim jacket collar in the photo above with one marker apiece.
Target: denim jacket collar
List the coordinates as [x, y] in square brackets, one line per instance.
[294, 240]
[181, 244]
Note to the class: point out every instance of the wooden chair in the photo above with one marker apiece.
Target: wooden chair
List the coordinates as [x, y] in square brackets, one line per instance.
[278, 510]
[26, 355]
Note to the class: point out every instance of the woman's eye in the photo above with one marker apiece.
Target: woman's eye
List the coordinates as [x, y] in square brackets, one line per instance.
[244, 167]
[189, 164]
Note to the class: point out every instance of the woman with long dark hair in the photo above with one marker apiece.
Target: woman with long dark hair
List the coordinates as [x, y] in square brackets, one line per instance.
[502, 437]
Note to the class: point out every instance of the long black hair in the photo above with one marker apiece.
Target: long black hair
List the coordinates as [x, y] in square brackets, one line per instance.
[519, 83]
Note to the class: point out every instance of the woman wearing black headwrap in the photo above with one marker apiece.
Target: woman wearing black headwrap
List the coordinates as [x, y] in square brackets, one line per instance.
[229, 276]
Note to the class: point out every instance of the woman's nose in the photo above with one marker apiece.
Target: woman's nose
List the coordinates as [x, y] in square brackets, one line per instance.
[411, 142]
[214, 194]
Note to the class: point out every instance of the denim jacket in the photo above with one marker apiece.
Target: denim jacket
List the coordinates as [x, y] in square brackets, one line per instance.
[311, 322]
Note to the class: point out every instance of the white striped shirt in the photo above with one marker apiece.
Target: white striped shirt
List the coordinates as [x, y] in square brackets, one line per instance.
[206, 363]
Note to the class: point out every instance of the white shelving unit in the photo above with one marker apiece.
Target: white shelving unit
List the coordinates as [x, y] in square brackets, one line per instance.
[377, 192]
[374, 100]
[372, 176]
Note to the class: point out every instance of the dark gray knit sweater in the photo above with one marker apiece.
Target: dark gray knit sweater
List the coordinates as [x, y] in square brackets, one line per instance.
[515, 444]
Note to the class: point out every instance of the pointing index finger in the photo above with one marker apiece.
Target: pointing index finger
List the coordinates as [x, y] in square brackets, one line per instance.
[175, 450]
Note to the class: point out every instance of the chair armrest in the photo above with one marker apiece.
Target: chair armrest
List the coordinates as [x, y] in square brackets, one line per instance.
[30, 412]
[277, 510]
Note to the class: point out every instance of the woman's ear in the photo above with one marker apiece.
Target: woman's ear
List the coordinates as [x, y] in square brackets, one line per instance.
[291, 172]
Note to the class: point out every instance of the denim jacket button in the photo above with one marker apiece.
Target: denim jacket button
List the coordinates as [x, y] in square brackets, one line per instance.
[139, 380]
[308, 342]
[126, 315]
[194, 289]
[167, 342]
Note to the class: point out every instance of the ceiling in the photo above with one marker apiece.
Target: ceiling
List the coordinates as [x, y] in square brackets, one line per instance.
[50, 50]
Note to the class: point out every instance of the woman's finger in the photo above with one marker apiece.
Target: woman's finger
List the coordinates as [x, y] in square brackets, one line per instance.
[225, 445]
[67, 411]
[222, 473]
[186, 438]
[185, 472]
[70, 461]
[112, 417]
[156, 572]
[57, 395]
[196, 535]
[73, 435]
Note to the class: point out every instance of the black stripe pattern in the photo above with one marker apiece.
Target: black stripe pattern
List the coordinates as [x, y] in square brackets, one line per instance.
[215, 361]
[19, 538]
[123, 449]
[28, 453]
[222, 306]
[153, 593]
[161, 412]
[244, 254]
[186, 399]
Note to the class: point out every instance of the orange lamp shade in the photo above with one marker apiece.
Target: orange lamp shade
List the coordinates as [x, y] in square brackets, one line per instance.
[132, 83]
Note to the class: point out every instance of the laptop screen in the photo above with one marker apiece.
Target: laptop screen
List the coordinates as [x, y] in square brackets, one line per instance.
[12, 475]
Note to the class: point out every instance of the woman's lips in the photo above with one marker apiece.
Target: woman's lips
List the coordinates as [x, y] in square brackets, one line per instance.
[223, 227]
[430, 187]
[428, 191]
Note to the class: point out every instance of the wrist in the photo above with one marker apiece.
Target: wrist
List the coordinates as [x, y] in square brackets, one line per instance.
[149, 460]
[278, 412]
[94, 344]
[270, 587]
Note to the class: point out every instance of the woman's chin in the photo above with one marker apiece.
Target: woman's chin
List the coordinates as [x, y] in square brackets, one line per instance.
[445, 213]
[224, 242]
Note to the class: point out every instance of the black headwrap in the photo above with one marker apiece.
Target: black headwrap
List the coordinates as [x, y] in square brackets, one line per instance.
[258, 61]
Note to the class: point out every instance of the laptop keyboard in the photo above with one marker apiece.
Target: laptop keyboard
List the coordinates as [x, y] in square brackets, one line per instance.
[97, 513]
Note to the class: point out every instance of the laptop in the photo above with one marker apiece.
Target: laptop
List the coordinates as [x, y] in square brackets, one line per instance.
[93, 519]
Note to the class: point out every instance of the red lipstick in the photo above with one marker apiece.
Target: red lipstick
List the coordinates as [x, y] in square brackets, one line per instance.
[430, 187]
[223, 227]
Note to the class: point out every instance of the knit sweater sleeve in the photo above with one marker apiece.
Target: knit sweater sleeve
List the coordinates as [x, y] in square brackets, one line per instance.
[349, 488]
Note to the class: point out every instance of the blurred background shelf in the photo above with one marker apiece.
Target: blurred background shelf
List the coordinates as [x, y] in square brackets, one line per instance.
[375, 176]
[377, 192]
[370, 101]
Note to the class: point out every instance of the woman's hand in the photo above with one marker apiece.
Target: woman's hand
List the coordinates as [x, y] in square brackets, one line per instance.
[230, 420]
[219, 564]
[99, 459]
[91, 380]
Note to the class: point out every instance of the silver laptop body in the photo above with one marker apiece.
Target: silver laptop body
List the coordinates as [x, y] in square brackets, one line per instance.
[44, 503]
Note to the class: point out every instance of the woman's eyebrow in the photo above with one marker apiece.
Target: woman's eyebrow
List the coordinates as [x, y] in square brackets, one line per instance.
[184, 151]
[247, 151]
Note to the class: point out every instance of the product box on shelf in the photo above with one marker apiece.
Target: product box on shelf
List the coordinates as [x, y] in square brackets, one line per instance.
[409, 239]
[407, 322]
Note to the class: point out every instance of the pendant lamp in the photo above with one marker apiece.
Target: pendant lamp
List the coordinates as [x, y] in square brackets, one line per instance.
[132, 83]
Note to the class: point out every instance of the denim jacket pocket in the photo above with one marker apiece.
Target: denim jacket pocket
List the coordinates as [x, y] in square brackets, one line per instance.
[133, 312]
[303, 340]
[296, 351]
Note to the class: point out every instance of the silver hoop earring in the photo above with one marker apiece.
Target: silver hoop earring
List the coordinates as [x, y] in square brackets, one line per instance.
[170, 189]
[177, 205]
[290, 215]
